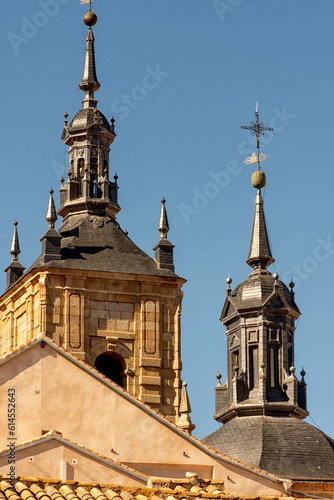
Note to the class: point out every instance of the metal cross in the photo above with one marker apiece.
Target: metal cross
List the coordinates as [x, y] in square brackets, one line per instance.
[257, 128]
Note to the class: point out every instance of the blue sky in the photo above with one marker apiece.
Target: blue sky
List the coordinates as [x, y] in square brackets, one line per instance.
[181, 139]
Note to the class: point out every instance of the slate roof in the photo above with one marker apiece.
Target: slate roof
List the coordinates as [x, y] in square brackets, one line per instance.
[255, 290]
[32, 489]
[286, 446]
[87, 117]
[97, 243]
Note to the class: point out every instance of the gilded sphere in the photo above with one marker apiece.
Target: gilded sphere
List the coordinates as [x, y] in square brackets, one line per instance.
[258, 179]
[90, 19]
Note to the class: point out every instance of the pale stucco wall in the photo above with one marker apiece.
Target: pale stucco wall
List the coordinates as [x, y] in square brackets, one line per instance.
[53, 459]
[55, 393]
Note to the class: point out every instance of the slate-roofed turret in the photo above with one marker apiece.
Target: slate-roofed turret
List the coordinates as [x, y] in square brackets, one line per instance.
[262, 403]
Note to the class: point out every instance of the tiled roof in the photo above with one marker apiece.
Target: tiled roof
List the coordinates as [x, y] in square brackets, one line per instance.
[97, 243]
[208, 448]
[289, 446]
[255, 290]
[86, 118]
[40, 489]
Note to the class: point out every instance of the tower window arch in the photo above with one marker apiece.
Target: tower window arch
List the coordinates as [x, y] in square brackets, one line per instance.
[254, 367]
[112, 365]
[94, 191]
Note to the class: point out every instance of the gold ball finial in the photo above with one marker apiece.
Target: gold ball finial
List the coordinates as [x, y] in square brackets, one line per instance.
[258, 179]
[90, 19]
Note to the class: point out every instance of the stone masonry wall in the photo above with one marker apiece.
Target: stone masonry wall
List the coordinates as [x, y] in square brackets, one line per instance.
[137, 318]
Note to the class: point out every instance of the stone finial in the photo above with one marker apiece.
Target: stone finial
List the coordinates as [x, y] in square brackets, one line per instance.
[163, 222]
[15, 270]
[51, 215]
[228, 281]
[164, 249]
[15, 246]
[276, 285]
[184, 421]
[51, 240]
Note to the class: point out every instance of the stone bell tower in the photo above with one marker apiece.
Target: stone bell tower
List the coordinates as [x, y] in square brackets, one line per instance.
[259, 315]
[92, 290]
[262, 404]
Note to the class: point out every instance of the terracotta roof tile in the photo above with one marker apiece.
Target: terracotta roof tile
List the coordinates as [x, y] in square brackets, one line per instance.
[97, 494]
[126, 495]
[65, 490]
[53, 493]
[112, 495]
[83, 493]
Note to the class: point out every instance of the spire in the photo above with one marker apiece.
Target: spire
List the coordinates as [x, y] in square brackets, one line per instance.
[89, 136]
[51, 239]
[15, 246]
[259, 315]
[15, 270]
[89, 83]
[164, 249]
[51, 215]
[259, 256]
[163, 223]
[184, 421]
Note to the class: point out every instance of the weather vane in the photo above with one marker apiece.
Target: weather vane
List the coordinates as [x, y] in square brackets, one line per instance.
[87, 1]
[257, 128]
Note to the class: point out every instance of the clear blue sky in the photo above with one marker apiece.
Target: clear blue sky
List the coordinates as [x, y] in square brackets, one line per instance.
[175, 136]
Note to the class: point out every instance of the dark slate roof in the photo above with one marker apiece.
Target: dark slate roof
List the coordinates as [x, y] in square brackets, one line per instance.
[255, 290]
[286, 446]
[97, 243]
[87, 117]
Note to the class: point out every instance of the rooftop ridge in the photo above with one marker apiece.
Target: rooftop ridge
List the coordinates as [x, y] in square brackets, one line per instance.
[152, 411]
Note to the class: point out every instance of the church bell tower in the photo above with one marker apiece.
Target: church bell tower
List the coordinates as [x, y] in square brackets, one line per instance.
[92, 290]
[260, 315]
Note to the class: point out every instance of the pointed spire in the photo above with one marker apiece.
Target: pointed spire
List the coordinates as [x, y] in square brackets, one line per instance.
[51, 240]
[15, 270]
[89, 83]
[163, 223]
[15, 246]
[164, 249]
[51, 215]
[259, 256]
[88, 187]
[184, 421]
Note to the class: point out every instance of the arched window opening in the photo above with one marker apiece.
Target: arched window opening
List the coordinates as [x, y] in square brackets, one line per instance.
[81, 163]
[254, 367]
[112, 365]
[273, 367]
[235, 362]
[93, 178]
